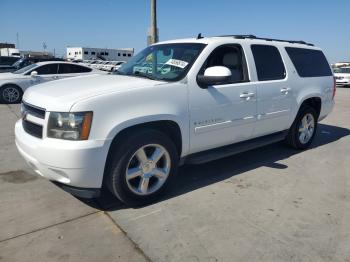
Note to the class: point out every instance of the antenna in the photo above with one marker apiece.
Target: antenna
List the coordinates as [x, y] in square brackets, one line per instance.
[199, 36]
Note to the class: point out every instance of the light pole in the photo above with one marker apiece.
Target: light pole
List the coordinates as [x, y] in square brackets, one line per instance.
[153, 30]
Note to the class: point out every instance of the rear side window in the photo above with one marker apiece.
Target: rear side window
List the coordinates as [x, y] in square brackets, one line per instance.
[309, 62]
[268, 62]
[72, 69]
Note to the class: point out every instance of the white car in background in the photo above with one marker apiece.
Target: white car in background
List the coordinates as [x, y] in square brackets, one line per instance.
[112, 65]
[13, 85]
[342, 76]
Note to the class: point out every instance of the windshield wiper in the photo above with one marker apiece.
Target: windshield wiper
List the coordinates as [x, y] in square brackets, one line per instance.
[141, 74]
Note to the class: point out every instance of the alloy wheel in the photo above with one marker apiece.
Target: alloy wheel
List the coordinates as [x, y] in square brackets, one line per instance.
[306, 128]
[148, 169]
[10, 94]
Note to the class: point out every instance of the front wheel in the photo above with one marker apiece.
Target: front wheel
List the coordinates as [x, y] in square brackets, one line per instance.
[11, 94]
[303, 130]
[142, 167]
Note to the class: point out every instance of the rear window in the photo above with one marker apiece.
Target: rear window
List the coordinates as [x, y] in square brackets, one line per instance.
[268, 62]
[309, 62]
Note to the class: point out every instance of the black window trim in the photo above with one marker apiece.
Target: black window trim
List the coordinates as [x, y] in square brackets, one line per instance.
[283, 62]
[246, 77]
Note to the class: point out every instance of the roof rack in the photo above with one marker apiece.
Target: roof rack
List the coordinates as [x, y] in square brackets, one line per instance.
[266, 39]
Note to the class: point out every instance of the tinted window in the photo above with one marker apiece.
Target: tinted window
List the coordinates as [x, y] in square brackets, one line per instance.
[268, 62]
[308, 62]
[72, 69]
[50, 69]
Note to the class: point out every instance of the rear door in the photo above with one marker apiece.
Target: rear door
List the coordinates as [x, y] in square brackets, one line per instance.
[274, 91]
[70, 70]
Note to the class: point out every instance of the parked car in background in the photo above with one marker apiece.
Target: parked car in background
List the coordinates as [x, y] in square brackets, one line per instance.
[23, 62]
[204, 99]
[342, 76]
[6, 63]
[13, 85]
[113, 65]
[8, 60]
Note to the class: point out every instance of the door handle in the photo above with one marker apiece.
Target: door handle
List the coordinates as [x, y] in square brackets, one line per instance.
[246, 95]
[55, 77]
[285, 90]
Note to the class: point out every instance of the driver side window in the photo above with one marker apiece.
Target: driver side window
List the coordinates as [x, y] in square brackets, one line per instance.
[50, 69]
[232, 57]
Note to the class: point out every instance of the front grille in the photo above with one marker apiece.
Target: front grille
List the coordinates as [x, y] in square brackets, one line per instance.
[32, 129]
[35, 111]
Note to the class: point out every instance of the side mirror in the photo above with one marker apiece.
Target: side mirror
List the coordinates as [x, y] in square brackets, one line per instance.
[214, 75]
[34, 74]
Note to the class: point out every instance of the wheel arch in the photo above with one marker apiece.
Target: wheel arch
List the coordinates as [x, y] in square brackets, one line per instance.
[315, 101]
[168, 127]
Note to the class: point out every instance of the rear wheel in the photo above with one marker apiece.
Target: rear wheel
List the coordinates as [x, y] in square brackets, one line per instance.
[303, 130]
[10, 94]
[142, 167]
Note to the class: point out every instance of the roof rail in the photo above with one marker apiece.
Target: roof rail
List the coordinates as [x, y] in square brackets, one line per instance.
[266, 39]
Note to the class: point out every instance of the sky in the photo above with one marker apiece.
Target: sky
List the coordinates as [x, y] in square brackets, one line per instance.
[124, 23]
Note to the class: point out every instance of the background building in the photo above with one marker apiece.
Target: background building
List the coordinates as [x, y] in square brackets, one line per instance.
[7, 45]
[36, 54]
[88, 53]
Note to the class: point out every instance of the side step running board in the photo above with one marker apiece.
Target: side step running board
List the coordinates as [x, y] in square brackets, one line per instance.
[225, 151]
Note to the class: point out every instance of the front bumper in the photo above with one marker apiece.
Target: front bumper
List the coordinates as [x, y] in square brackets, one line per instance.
[72, 163]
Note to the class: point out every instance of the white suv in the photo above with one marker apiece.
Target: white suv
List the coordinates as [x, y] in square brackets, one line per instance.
[198, 100]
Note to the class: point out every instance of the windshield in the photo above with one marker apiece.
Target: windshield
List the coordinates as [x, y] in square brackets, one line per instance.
[25, 69]
[169, 62]
[18, 63]
[344, 70]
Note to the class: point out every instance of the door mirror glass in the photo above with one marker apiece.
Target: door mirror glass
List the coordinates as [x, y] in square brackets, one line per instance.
[34, 74]
[215, 75]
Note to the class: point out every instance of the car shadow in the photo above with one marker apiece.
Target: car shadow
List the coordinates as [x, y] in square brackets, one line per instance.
[193, 177]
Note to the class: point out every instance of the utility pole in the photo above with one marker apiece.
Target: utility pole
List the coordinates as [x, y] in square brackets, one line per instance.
[153, 30]
[17, 38]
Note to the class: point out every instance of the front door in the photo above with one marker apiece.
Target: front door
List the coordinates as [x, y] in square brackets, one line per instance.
[223, 114]
[46, 73]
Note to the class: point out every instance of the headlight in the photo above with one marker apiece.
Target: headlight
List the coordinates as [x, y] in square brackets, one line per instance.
[69, 126]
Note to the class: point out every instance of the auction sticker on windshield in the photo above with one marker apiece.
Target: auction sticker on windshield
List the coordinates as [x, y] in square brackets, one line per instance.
[177, 63]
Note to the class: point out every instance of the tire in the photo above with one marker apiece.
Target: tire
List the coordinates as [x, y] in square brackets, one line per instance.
[295, 137]
[10, 94]
[126, 156]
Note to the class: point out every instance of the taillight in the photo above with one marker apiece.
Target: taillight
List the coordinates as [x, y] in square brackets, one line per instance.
[334, 87]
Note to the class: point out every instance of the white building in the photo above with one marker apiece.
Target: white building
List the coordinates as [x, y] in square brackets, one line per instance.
[9, 52]
[88, 53]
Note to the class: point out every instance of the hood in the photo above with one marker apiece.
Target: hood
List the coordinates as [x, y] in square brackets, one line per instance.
[9, 75]
[61, 95]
